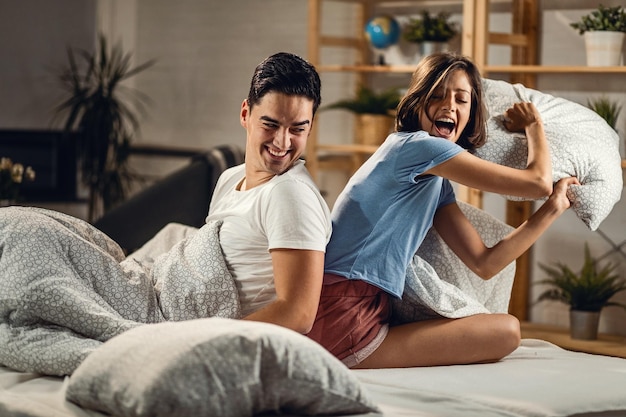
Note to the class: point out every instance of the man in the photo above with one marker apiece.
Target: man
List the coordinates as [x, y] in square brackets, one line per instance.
[275, 222]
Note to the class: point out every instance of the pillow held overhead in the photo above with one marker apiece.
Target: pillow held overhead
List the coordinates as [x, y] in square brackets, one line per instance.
[581, 144]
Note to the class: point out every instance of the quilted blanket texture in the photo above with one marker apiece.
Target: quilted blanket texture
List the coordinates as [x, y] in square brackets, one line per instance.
[66, 288]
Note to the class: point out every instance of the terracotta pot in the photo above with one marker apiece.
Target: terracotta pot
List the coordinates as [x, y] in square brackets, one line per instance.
[584, 324]
[372, 129]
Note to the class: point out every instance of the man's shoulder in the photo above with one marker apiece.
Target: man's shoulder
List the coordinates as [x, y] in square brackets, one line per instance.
[233, 172]
[297, 173]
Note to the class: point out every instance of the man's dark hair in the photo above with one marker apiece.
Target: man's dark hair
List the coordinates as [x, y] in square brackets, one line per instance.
[285, 73]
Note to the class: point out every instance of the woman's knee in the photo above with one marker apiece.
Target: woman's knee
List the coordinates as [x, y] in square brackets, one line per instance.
[509, 333]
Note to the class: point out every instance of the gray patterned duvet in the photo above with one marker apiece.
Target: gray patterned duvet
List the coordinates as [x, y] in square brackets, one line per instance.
[65, 288]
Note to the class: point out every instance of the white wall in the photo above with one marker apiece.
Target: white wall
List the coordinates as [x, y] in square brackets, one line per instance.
[206, 52]
[34, 35]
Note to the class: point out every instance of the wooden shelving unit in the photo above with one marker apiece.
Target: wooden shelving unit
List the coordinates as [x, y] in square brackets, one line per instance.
[475, 39]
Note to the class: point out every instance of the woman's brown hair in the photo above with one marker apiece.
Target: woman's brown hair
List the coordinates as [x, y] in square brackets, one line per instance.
[431, 73]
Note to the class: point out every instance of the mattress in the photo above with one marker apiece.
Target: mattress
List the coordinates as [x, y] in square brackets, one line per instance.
[538, 379]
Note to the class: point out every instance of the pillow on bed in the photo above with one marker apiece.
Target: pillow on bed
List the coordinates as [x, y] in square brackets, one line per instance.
[581, 143]
[215, 367]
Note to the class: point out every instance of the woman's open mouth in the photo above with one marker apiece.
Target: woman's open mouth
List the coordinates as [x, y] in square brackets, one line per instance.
[445, 126]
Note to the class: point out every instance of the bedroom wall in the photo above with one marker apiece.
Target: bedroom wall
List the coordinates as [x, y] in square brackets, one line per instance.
[206, 51]
[33, 38]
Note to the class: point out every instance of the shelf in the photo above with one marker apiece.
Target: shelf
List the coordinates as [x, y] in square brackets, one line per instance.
[609, 345]
[553, 69]
[411, 3]
[348, 148]
[512, 69]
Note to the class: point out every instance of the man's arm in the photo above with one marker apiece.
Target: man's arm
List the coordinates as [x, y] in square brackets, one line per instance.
[298, 279]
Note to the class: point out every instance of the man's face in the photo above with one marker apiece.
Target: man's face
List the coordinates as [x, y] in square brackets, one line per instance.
[277, 130]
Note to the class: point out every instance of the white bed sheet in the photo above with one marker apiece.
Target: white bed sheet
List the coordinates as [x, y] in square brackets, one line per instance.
[538, 379]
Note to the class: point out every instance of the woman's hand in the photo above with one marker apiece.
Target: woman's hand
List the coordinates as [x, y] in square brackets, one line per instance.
[559, 198]
[520, 116]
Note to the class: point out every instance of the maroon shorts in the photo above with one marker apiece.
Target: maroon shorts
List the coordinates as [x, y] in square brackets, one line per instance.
[352, 318]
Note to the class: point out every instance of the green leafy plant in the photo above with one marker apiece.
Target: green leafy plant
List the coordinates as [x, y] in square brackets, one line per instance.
[589, 290]
[105, 114]
[607, 109]
[435, 28]
[368, 101]
[602, 19]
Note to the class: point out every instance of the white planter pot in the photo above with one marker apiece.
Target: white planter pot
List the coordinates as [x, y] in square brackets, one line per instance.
[429, 47]
[604, 48]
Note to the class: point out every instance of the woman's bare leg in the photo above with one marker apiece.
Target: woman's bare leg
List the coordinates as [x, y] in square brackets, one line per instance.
[474, 339]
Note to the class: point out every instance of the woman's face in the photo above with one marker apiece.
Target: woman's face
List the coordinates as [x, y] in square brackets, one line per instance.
[449, 108]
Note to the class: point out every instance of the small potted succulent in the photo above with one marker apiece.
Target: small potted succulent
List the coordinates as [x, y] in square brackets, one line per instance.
[604, 30]
[431, 32]
[586, 292]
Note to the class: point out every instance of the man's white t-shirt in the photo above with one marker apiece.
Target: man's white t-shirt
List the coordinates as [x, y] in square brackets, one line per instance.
[286, 212]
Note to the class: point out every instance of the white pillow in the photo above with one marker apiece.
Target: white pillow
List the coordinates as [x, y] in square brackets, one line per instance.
[439, 284]
[215, 367]
[581, 144]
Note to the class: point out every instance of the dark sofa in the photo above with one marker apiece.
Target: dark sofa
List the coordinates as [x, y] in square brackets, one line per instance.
[181, 197]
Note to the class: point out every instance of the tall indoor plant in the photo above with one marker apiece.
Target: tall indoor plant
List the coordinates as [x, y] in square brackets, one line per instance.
[105, 114]
[586, 292]
[604, 30]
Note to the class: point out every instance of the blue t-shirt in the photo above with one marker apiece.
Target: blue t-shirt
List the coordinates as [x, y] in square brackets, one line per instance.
[382, 216]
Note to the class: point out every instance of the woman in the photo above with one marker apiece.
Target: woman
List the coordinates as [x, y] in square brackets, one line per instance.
[382, 216]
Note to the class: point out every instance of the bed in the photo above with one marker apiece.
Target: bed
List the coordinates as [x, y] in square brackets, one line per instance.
[538, 379]
[192, 362]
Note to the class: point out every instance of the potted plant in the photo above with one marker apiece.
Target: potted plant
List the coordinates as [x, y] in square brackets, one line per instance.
[374, 113]
[431, 32]
[104, 112]
[604, 31]
[607, 109]
[586, 292]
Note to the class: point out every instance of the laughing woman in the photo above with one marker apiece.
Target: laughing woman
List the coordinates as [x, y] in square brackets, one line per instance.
[382, 216]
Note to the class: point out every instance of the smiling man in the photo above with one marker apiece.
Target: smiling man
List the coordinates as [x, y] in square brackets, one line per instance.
[275, 222]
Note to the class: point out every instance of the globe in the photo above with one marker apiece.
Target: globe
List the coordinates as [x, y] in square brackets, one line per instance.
[382, 31]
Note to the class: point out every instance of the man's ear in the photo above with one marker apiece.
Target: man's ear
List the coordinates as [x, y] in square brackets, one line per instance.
[244, 115]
